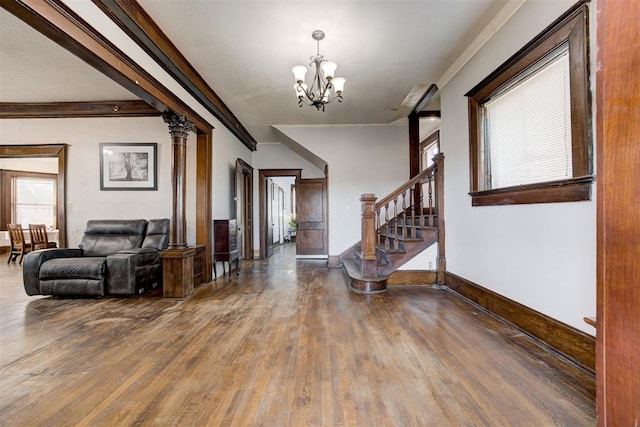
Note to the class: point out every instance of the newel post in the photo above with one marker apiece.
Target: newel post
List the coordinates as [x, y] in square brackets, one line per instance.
[369, 236]
[441, 260]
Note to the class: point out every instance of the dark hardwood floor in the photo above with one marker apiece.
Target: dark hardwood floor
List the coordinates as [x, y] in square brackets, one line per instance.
[283, 344]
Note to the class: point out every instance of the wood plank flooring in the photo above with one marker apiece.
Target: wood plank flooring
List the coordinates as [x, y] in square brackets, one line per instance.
[283, 344]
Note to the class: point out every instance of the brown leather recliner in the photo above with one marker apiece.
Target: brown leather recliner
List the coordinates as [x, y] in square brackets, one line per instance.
[115, 257]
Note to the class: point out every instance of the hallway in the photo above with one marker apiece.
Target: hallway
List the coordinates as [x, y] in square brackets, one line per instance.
[283, 344]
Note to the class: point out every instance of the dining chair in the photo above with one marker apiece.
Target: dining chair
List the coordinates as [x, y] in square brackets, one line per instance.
[39, 238]
[18, 245]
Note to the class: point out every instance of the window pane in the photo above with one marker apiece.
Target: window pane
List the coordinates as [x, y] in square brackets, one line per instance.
[528, 129]
[34, 201]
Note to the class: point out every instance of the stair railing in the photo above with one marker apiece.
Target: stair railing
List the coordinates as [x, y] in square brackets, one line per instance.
[418, 202]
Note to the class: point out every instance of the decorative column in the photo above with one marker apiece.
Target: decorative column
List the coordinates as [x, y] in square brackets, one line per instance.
[179, 128]
[177, 260]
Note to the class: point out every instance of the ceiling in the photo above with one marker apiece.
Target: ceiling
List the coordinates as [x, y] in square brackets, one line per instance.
[244, 49]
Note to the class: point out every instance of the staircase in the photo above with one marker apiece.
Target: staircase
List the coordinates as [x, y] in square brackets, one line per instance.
[396, 229]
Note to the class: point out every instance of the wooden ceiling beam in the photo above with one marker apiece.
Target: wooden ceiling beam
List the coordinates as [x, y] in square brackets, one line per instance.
[136, 22]
[39, 110]
[58, 22]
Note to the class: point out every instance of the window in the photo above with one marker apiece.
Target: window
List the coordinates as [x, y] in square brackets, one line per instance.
[530, 138]
[428, 149]
[33, 200]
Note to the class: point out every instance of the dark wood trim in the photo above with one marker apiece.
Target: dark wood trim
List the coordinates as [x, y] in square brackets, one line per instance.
[618, 219]
[136, 22]
[430, 92]
[411, 277]
[414, 129]
[414, 145]
[47, 150]
[576, 345]
[570, 190]
[263, 174]
[429, 114]
[6, 177]
[434, 137]
[40, 110]
[571, 28]
[555, 34]
[58, 22]
[245, 171]
[204, 169]
[441, 261]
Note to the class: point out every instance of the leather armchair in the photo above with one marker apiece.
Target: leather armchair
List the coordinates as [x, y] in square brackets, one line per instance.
[116, 257]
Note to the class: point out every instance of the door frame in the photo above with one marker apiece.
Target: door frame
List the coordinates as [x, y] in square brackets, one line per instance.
[244, 170]
[263, 174]
[47, 150]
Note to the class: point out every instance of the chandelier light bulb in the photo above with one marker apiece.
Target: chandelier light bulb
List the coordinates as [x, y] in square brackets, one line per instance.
[338, 84]
[299, 72]
[328, 69]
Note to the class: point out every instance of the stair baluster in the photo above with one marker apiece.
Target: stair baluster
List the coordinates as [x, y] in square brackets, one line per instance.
[369, 262]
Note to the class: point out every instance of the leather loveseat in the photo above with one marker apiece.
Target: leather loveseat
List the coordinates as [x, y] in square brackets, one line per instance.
[115, 257]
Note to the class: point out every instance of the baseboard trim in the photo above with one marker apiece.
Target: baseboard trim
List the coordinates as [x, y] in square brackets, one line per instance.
[411, 277]
[572, 343]
[334, 261]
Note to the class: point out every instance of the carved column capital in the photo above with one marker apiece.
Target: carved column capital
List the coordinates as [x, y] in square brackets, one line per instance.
[179, 126]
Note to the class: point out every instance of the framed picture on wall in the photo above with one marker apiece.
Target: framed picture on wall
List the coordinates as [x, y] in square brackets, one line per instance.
[128, 166]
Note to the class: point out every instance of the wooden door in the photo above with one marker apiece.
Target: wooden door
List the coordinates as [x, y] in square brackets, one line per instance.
[618, 260]
[311, 199]
[244, 208]
[269, 194]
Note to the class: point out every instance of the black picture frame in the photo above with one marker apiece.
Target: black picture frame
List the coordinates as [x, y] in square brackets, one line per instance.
[128, 166]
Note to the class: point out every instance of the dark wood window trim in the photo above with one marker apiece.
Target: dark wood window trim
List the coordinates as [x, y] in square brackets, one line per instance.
[6, 178]
[570, 28]
[427, 142]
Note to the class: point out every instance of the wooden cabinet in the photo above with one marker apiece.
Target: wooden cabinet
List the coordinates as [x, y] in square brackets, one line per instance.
[199, 265]
[225, 245]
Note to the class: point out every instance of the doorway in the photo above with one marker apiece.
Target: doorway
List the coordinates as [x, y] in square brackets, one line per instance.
[310, 201]
[244, 208]
[57, 151]
[270, 195]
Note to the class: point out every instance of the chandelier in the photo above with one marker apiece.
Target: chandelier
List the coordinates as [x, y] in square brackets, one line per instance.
[325, 88]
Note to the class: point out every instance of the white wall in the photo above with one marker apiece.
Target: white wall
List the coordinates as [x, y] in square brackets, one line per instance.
[226, 150]
[361, 159]
[33, 164]
[540, 255]
[84, 199]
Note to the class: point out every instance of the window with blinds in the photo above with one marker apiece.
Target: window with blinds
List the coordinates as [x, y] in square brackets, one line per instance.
[527, 137]
[34, 201]
[530, 121]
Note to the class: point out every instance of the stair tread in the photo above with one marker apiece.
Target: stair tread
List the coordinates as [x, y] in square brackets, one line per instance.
[353, 270]
[401, 238]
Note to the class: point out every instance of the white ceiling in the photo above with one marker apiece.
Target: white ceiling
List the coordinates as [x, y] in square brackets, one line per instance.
[245, 49]
[36, 69]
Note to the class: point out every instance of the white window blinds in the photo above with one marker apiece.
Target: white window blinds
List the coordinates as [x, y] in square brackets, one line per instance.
[528, 128]
[34, 201]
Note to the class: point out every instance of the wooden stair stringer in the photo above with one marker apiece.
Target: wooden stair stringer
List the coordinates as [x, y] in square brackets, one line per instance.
[351, 261]
[412, 248]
